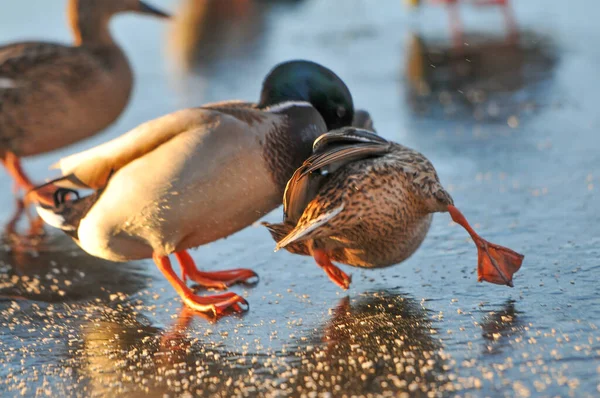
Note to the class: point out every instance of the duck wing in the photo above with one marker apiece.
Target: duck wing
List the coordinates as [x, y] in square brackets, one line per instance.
[332, 151]
[92, 168]
[28, 60]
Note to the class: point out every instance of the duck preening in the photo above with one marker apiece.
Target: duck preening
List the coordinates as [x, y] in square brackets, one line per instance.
[198, 175]
[52, 95]
[367, 202]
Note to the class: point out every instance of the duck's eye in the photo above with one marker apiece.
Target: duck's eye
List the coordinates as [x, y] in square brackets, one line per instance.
[62, 195]
[340, 111]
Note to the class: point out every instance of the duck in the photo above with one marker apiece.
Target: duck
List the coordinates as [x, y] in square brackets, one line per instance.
[367, 202]
[53, 95]
[197, 175]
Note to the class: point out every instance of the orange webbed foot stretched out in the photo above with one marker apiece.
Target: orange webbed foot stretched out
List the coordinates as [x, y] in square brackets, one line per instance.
[495, 264]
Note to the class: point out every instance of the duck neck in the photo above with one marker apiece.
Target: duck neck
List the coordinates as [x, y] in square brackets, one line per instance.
[89, 26]
[290, 143]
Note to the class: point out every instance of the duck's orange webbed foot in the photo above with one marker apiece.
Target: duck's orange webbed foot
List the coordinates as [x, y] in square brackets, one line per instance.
[216, 305]
[495, 264]
[338, 276]
[216, 280]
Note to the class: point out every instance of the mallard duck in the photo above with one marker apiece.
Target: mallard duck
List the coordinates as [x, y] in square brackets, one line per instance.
[367, 202]
[52, 95]
[197, 175]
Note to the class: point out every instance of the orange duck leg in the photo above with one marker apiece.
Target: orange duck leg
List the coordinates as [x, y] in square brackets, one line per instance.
[215, 280]
[216, 305]
[336, 275]
[12, 164]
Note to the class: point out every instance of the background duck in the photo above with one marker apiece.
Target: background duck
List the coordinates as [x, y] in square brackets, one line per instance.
[198, 175]
[367, 202]
[52, 95]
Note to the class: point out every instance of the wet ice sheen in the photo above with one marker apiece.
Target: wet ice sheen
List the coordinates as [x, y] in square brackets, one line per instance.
[522, 163]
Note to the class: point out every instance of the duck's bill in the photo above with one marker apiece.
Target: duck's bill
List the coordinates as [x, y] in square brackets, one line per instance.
[146, 8]
[52, 218]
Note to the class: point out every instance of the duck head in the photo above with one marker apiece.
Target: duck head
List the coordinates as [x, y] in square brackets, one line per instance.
[308, 81]
[107, 8]
[89, 18]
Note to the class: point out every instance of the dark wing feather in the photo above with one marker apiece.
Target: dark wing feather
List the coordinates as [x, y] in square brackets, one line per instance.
[347, 135]
[332, 151]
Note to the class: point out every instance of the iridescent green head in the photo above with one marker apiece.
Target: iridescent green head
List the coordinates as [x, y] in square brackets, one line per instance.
[308, 81]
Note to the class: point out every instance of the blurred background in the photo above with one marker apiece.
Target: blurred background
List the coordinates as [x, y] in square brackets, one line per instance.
[502, 98]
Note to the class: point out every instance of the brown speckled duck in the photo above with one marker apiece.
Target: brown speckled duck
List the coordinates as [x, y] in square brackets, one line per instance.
[52, 95]
[367, 202]
[198, 175]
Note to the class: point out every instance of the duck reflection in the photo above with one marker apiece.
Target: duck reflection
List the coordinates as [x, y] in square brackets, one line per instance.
[123, 355]
[490, 79]
[56, 270]
[382, 342]
[500, 326]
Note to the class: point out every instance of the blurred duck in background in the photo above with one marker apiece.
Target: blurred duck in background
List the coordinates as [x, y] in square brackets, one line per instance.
[206, 31]
[212, 40]
[53, 95]
[198, 175]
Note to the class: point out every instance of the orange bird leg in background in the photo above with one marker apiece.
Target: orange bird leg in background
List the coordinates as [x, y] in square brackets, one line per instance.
[338, 276]
[13, 167]
[12, 163]
[215, 280]
[495, 264]
[216, 305]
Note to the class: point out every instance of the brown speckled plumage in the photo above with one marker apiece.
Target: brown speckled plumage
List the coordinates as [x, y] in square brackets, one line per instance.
[375, 208]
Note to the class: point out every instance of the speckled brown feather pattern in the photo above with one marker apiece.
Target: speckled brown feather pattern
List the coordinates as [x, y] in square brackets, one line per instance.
[386, 204]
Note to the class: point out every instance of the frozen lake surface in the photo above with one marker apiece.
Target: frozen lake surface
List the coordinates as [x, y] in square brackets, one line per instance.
[513, 130]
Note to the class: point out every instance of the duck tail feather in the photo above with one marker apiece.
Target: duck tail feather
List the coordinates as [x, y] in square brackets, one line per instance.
[312, 229]
[280, 231]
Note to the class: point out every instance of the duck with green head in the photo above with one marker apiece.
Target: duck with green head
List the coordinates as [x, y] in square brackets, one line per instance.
[367, 202]
[197, 175]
